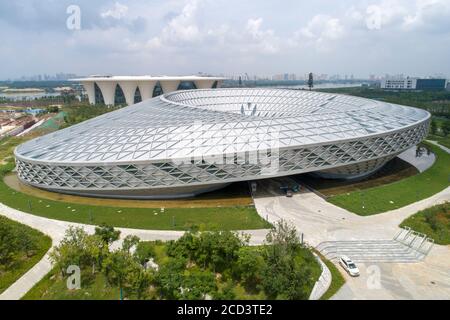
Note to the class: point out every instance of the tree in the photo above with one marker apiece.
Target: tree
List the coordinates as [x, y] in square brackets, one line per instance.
[283, 238]
[196, 284]
[107, 233]
[310, 81]
[169, 278]
[217, 249]
[120, 270]
[249, 267]
[288, 278]
[226, 293]
[97, 251]
[8, 243]
[13, 241]
[77, 248]
[139, 281]
[129, 242]
[287, 273]
[433, 127]
[445, 128]
[144, 251]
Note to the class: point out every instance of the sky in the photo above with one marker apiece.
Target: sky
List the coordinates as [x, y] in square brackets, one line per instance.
[262, 37]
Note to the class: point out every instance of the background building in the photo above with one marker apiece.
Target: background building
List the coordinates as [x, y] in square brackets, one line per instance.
[188, 142]
[111, 90]
[413, 84]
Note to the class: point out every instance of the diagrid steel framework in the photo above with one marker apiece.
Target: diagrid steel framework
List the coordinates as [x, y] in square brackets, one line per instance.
[188, 142]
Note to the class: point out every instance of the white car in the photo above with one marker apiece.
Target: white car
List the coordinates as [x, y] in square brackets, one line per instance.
[349, 266]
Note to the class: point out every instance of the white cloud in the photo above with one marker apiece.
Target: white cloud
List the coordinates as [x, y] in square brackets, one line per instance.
[265, 40]
[118, 12]
[237, 35]
[428, 14]
[323, 27]
[384, 14]
[182, 28]
[321, 32]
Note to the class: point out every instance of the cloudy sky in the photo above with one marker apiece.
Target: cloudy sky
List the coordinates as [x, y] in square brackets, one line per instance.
[225, 36]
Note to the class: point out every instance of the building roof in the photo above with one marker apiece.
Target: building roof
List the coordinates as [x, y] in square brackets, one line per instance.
[144, 78]
[212, 122]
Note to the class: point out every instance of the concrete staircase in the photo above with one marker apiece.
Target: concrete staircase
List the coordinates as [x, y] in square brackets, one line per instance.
[407, 246]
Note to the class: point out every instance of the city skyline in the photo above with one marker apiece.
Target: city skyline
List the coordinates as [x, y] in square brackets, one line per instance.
[217, 37]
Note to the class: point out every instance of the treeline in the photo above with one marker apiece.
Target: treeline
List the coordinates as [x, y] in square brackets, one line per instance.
[207, 265]
[50, 84]
[436, 102]
[77, 114]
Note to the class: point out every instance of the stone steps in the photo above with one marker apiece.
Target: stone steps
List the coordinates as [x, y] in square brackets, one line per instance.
[407, 246]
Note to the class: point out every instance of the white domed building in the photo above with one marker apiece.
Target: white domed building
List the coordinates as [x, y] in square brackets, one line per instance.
[188, 142]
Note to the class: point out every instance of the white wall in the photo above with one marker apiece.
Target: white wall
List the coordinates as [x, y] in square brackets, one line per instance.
[108, 88]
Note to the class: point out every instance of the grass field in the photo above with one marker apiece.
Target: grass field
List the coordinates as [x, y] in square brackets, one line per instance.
[399, 194]
[394, 170]
[225, 218]
[22, 262]
[445, 141]
[236, 194]
[434, 222]
[54, 287]
[337, 280]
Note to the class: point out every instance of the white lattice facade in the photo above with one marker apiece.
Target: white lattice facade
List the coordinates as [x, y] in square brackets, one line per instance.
[189, 142]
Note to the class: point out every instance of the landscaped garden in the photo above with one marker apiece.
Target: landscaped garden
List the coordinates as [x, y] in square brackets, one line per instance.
[401, 193]
[434, 222]
[198, 266]
[21, 247]
[440, 131]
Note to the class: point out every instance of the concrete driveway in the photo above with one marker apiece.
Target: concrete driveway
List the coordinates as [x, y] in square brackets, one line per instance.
[428, 279]
[321, 221]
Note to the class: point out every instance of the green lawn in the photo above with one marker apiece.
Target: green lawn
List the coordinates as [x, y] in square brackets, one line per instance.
[445, 141]
[337, 280]
[226, 218]
[21, 261]
[434, 222]
[54, 287]
[401, 193]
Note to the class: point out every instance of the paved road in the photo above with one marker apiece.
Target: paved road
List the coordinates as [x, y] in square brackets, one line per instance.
[429, 279]
[321, 221]
[439, 145]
